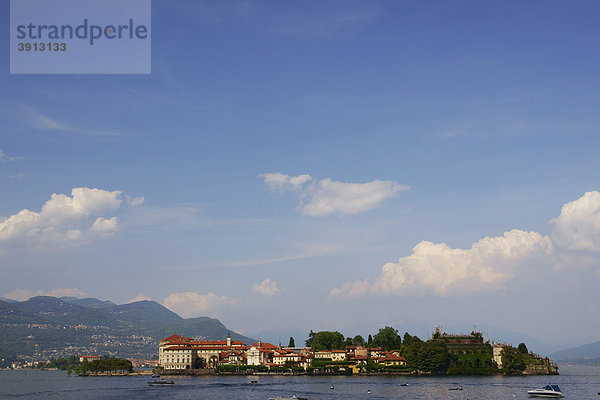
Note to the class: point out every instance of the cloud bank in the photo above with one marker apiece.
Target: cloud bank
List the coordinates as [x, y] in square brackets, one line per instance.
[444, 270]
[578, 225]
[64, 220]
[192, 304]
[491, 261]
[324, 197]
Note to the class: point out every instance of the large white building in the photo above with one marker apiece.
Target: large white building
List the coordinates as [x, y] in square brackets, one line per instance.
[176, 352]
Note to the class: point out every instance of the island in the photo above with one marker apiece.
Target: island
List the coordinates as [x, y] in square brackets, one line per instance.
[330, 353]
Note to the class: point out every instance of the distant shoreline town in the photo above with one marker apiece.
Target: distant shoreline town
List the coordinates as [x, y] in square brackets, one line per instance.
[329, 353]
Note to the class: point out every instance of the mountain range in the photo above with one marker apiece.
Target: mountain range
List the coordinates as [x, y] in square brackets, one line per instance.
[588, 354]
[44, 327]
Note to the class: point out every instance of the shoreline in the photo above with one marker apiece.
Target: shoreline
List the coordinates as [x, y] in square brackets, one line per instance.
[391, 374]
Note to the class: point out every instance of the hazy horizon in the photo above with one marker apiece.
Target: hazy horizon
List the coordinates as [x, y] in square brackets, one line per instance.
[330, 165]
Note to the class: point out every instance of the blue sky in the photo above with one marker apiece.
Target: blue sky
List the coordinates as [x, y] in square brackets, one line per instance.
[457, 121]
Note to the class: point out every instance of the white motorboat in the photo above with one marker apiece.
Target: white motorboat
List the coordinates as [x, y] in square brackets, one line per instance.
[546, 391]
[294, 397]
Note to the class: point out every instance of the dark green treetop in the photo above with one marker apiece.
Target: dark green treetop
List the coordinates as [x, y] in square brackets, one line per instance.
[387, 338]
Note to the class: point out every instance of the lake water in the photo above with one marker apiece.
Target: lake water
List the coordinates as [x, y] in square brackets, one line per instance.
[575, 382]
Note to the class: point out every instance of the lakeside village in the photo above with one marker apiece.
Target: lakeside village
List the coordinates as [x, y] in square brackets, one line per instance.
[324, 353]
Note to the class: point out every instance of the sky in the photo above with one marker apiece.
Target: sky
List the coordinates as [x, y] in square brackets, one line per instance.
[324, 165]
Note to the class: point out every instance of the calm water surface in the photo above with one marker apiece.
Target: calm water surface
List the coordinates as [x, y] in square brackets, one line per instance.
[575, 382]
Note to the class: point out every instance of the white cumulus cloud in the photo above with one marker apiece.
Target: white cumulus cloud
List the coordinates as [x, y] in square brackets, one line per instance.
[326, 196]
[192, 304]
[448, 271]
[578, 225]
[267, 288]
[276, 181]
[25, 294]
[64, 219]
[135, 201]
[349, 198]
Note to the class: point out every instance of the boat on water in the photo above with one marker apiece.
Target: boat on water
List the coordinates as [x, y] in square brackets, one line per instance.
[546, 391]
[155, 376]
[293, 397]
[456, 388]
[404, 384]
[161, 382]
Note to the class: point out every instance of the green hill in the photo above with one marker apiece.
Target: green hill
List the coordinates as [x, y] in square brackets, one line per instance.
[89, 302]
[44, 327]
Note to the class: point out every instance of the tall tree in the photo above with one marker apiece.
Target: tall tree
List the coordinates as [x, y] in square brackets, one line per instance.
[326, 340]
[369, 340]
[387, 338]
[408, 339]
[358, 341]
[291, 343]
[309, 342]
[523, 348]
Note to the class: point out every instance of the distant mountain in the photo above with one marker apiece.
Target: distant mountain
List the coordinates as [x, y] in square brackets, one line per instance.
[586, 354]
[145, 312]
[89, 302]
[7, 300]
[46, 326]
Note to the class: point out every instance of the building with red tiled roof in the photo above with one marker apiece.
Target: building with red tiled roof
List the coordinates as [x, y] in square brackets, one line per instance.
[333, 355]
[390, 360]
[176, 352]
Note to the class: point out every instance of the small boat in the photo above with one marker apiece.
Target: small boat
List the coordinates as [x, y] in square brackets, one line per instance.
[155, 376]
[161, 382]
[456, 388]
[404, 384]
[254, 382]
[546, 391]
[331, 387]
[294, 397]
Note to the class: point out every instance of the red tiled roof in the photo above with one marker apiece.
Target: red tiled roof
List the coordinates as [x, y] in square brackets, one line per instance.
[265, 345]
[172, 337]
[392, 358]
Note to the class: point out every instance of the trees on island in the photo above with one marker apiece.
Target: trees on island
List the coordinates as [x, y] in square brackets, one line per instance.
[431, 356]
[103, 365]
[523, 348]
[387, 338]
[513, 360]
[326, 340]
